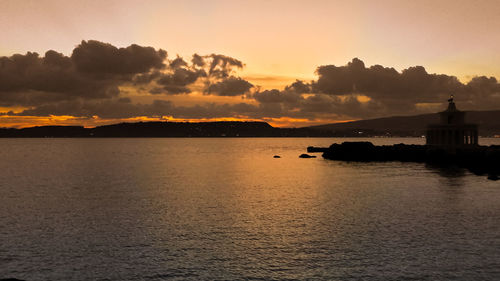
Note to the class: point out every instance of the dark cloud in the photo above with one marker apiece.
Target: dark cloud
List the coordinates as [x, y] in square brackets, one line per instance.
[178, 80]
[146, 78]
[277, 96]
[392, 92]
[88, 83]
[98, 57]
[231, 86]
[221, 66]
[29, 79]
[178, 76]
[118, 108]
[481, 93]
[413, 84]
[95, 70]
[299, 87]
[198, 60]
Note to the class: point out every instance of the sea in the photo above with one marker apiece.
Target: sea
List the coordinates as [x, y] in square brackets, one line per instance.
[226, 209]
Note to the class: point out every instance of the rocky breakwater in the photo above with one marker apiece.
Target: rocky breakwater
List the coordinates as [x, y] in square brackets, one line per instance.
[480, 160]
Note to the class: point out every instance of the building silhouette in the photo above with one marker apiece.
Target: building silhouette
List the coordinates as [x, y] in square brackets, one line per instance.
[452, 131]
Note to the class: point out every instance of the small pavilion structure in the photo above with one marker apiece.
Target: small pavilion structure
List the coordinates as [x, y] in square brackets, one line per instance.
[452, 132]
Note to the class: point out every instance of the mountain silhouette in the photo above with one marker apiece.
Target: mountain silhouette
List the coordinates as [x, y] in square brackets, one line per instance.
[411, 125]
[405, 126]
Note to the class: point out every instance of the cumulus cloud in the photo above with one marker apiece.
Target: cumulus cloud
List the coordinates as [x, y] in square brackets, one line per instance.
[392, 92]
[215, 71]
[299, 87]
[231, 86]
[90, 83]
[413, 84]
[29, 79]
[178, 80]
[97, 70]
[98, 57]
[277, 96]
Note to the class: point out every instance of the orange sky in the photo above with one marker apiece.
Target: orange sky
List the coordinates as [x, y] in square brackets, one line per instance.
[278, 41]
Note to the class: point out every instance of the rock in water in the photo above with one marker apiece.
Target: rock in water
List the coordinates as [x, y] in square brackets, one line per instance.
[493, 177]
[306, 156]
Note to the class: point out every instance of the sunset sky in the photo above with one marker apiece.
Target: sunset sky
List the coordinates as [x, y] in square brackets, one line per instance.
[290, 63]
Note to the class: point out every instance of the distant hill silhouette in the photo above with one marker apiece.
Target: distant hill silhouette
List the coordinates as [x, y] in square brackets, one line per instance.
[489, 125]
[488, 121]
[165, 129]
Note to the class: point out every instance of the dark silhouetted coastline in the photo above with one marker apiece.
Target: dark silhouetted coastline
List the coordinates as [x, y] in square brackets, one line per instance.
[398, 126]
[478, 159]
[165, 129]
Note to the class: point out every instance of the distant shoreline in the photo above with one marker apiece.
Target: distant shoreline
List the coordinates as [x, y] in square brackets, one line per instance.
[401, 127]
[224, 129]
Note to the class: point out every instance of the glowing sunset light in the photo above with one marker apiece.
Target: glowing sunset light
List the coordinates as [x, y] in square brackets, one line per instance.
[289, 63]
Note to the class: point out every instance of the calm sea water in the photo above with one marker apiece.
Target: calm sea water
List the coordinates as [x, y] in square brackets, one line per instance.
[225, 209]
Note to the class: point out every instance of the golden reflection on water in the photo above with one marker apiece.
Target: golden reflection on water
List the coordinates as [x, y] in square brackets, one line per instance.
[226, 209]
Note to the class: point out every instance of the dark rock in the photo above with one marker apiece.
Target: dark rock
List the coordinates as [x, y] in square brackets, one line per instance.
[316, 149]
[493, 177]
[276, 156]
[306, 156]
[479, 160]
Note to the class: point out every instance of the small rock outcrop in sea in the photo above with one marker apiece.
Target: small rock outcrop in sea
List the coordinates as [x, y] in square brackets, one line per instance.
[306, 156]
[493, 177]
[311, 149]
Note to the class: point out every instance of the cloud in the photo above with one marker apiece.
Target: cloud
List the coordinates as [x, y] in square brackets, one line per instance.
[99, 79]
[178, 80]
[413, 84]
[198, 60]
[277, 96]
[27, 80]
[215, 70]
[482, 93]
[299, 87]
[98, 57]
[221, 66]
[393, 92]
[115, 108]
[123, 108]
[95, 70]
[231, 86]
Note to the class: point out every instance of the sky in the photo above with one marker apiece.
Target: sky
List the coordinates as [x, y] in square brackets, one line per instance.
[289, 63]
